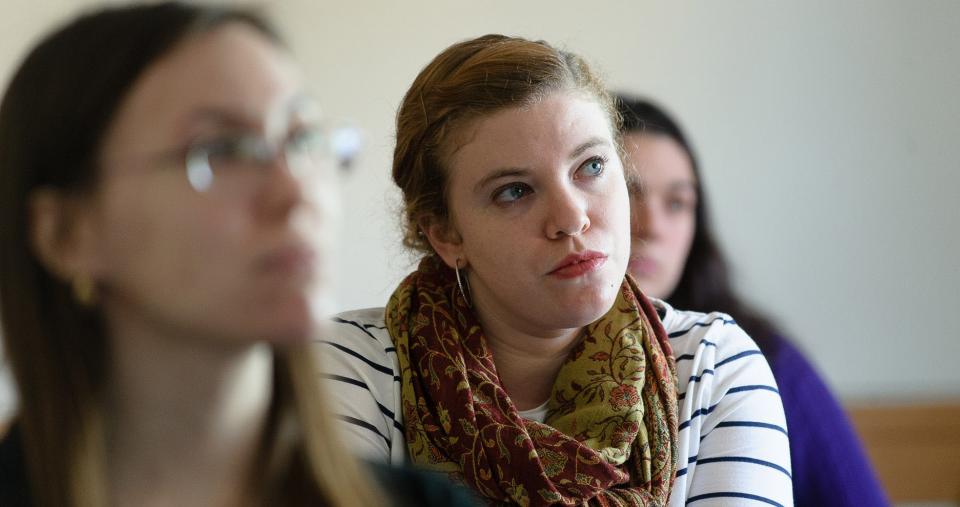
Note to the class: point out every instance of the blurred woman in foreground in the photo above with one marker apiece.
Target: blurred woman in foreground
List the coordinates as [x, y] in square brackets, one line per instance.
[163, 215]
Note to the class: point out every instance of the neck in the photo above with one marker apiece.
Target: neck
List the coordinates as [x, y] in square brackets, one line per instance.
[185, 416]
[527, 360]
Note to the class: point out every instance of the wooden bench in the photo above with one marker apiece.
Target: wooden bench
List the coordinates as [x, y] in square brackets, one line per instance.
[915, 448]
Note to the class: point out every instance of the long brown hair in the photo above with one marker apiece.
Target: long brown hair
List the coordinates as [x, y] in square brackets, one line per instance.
[468, 80]
[52, 123]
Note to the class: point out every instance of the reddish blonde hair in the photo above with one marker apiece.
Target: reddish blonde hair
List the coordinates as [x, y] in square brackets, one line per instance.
[469, 80]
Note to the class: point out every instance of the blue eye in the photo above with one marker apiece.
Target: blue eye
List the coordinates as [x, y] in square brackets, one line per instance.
[512, 192]
[594, 166]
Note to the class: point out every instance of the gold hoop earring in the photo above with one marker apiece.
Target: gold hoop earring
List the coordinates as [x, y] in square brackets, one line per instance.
[460, 284]
[84, 291]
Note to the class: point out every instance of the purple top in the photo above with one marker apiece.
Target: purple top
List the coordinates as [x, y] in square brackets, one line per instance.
[829, 465]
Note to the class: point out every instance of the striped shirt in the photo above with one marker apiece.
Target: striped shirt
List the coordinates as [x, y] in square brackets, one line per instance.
[733, 446]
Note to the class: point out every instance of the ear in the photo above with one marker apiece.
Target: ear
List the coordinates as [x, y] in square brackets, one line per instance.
[445, 240]
[61, 233]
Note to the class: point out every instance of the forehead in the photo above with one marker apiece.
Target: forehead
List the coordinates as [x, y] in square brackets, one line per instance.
[233, 68]
[658, 156]
[525, 135]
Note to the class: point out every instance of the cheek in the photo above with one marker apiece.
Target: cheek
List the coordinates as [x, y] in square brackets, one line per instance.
[682, 237]
[493, 242]
[503, 252]
[636, 208]
[616, 214]
[156, 241]
[320, 218]
[688, 228]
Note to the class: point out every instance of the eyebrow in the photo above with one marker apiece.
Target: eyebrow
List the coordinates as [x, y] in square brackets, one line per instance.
[590, 143]
[217, 116]
[299, 106]
[636, 183]
[683, 185]
[509, 172]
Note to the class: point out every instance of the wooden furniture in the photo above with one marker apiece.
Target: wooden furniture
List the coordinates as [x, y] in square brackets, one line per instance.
[914, 447]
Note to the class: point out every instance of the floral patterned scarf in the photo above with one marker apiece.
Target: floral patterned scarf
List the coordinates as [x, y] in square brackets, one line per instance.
[610, 435]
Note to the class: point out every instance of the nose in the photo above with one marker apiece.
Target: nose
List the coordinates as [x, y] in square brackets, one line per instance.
[283, 190]
[567, 215]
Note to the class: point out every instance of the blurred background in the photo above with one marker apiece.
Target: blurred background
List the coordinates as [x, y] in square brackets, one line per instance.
[829, 140]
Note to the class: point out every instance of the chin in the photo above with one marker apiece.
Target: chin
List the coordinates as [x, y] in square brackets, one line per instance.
[286, 337]
[588, 306]
[290, 333]
[291, 322]
[654, 288]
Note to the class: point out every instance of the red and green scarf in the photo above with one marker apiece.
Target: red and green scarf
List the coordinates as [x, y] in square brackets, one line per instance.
[610, 435]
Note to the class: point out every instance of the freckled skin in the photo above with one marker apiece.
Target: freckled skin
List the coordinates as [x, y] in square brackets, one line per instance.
[516, 230]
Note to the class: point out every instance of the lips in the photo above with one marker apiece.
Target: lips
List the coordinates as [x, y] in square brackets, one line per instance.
[578, 264]
[296, 259]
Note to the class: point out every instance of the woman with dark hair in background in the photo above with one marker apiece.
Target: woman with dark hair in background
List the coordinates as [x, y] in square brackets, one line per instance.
[675, 257]
[165, 185]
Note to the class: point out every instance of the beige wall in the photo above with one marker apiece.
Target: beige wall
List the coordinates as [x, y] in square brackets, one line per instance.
[828, 133]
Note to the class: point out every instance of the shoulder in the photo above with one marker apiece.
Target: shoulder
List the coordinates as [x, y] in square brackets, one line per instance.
[359, 337]
[803, 390]
[790, 364]
[360, 371]
[732, 432]
[692, 332]
[364, 326]
[714, 356]
[359, 340]
[830, 466]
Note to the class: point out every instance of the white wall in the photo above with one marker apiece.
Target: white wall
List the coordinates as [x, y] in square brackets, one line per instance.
[828, 133]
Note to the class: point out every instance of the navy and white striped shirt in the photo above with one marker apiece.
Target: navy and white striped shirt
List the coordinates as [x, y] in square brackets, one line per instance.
[733, 445]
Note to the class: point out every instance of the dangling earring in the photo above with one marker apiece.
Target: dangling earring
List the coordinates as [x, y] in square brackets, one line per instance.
[84, 290]
[460, 284]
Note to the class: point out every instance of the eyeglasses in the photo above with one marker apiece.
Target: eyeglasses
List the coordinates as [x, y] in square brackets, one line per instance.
[231, 160]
